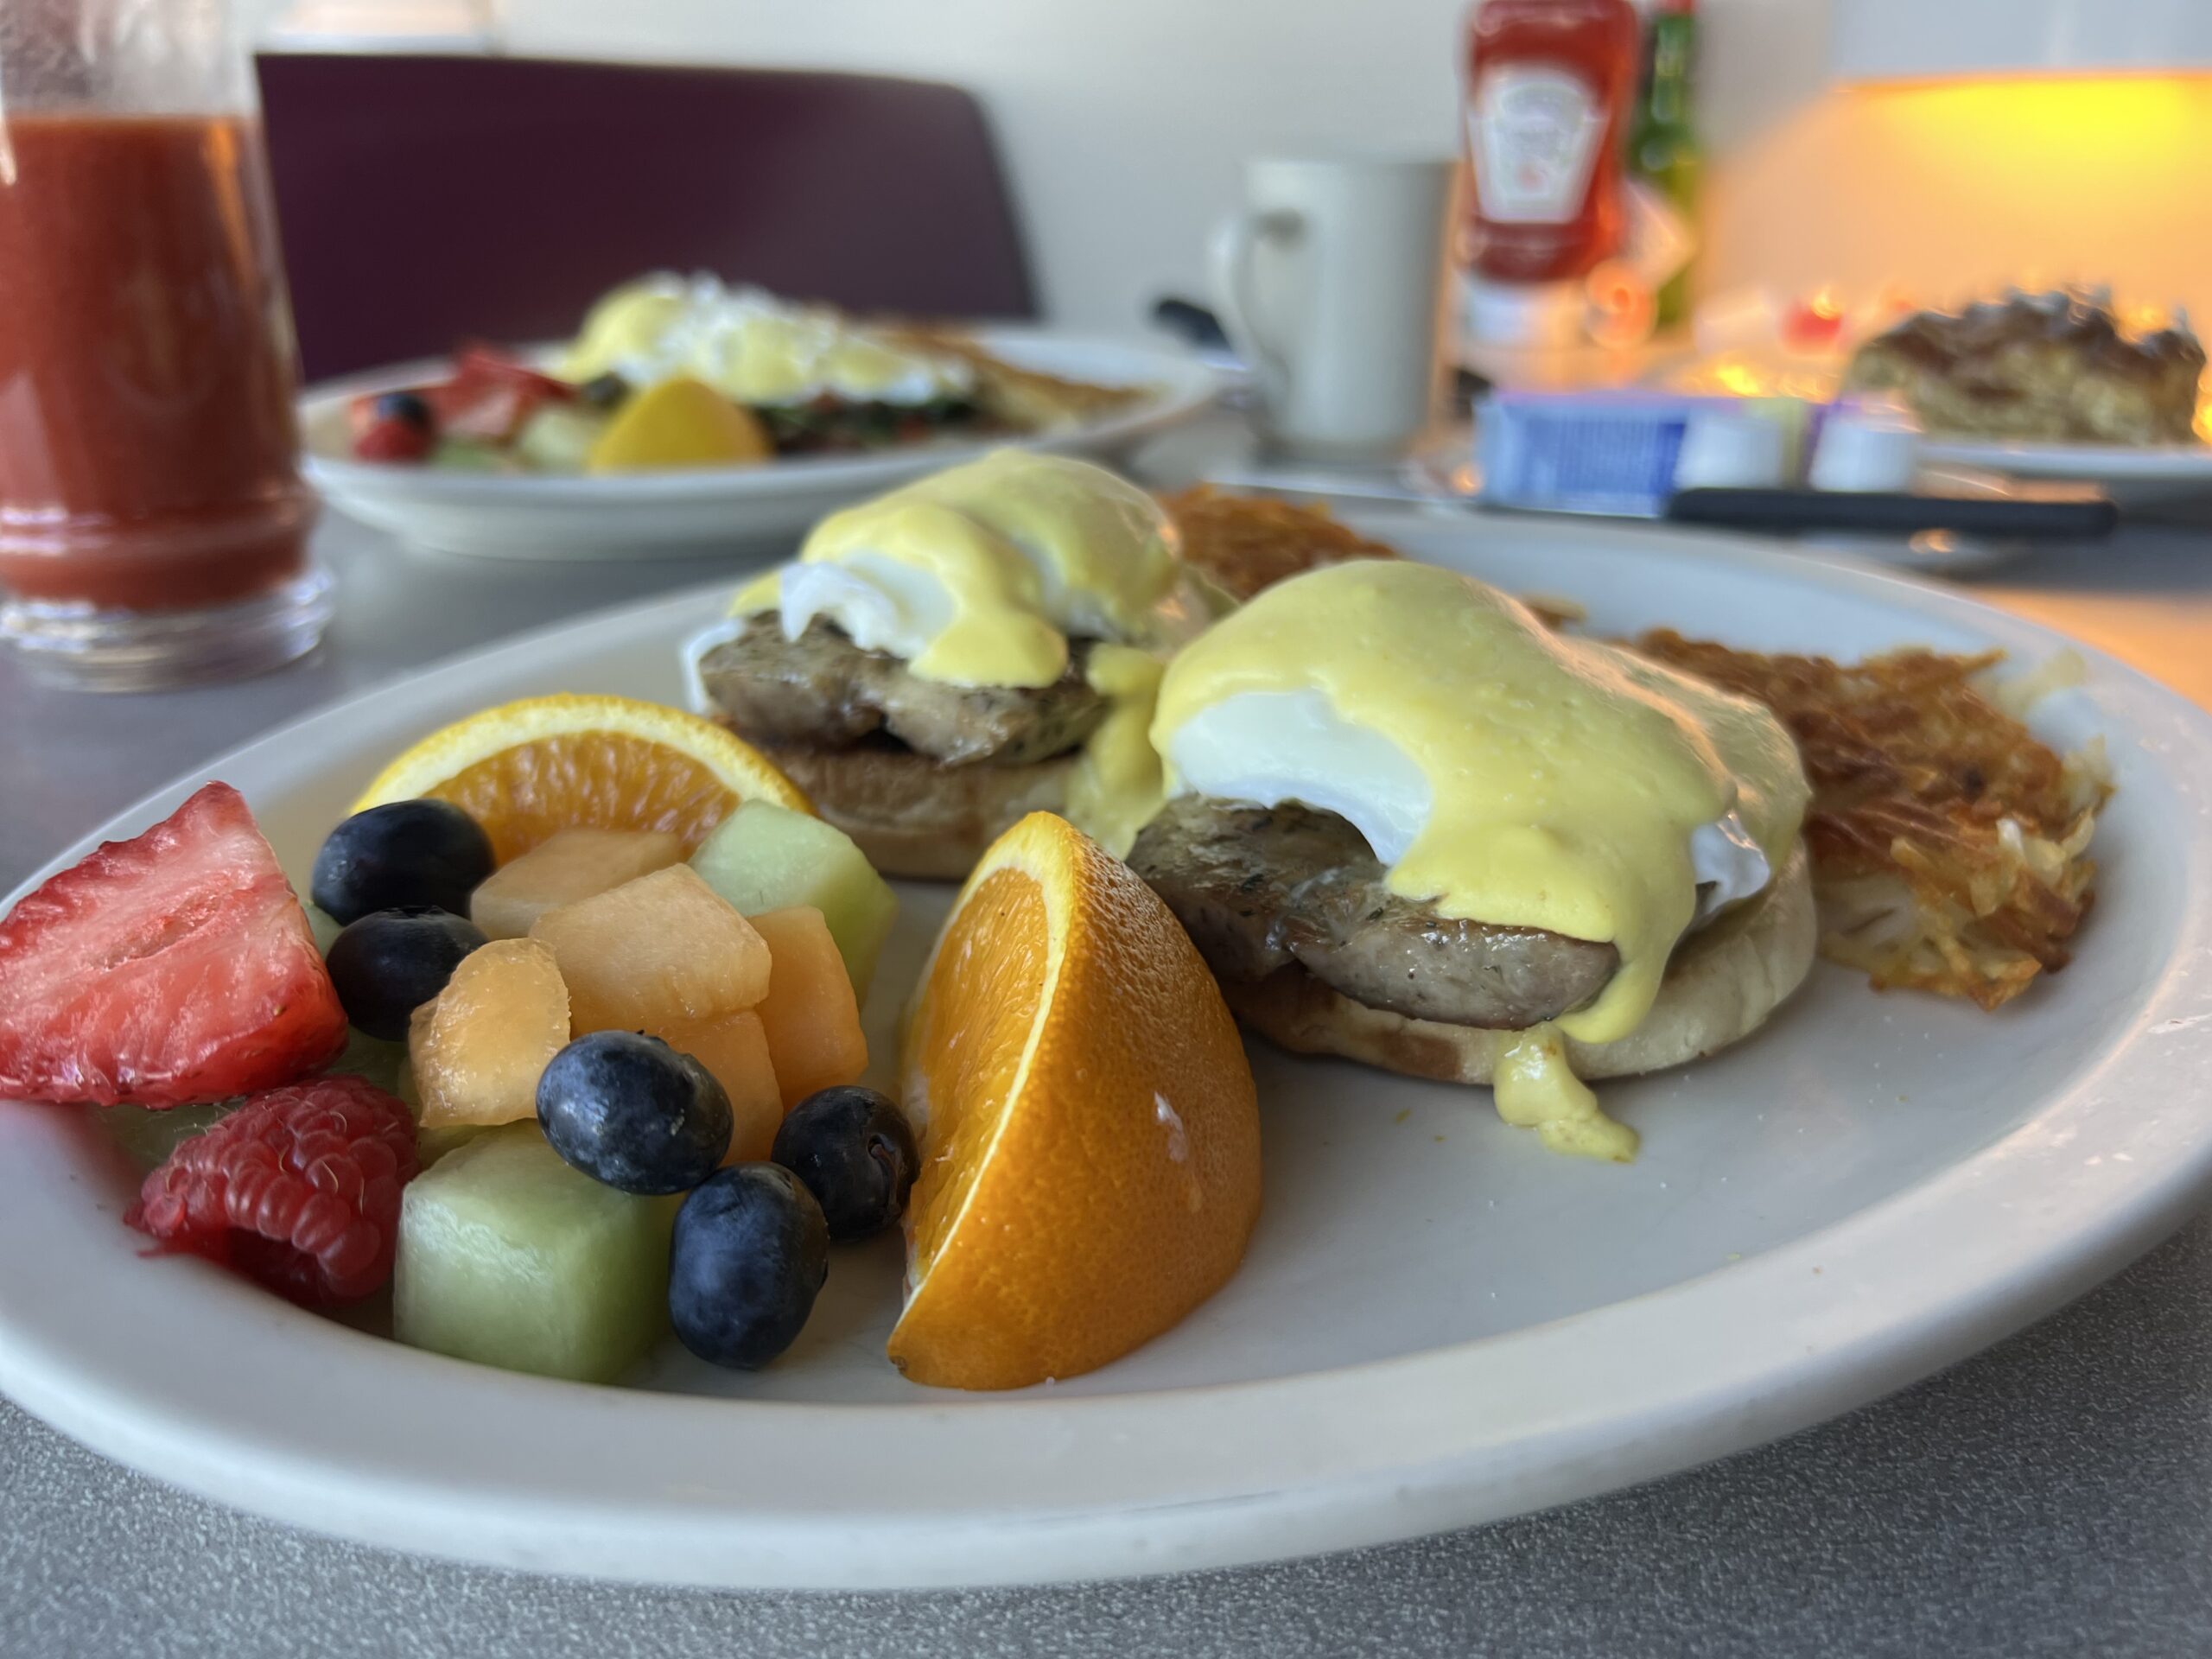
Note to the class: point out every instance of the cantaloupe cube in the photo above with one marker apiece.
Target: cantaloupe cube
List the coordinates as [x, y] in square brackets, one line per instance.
[767, 857]
[657, 951]
[570, 865]
[501, 1017]
[812, 1022]
[735, 1049]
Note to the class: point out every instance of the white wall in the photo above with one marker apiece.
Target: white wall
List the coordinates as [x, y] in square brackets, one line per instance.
[1124, 123]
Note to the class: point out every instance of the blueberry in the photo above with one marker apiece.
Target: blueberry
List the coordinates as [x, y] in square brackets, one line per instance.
[748, 1256]
[401, 853]
[389, 962]
[627, 1109]
[407, 408]
[854, 1151]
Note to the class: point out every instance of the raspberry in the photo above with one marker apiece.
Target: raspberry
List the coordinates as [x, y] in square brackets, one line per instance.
[298, 1188]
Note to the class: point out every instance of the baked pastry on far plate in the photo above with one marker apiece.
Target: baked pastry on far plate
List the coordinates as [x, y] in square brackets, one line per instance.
[2055, 367]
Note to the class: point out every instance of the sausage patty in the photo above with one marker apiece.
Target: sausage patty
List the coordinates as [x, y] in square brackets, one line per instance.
[1259, 888]
[824, 691]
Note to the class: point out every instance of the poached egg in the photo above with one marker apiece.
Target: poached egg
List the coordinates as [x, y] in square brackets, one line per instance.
[753, 348]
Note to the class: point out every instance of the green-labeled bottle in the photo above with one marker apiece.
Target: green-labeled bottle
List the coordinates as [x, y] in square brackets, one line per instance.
[1662, 149]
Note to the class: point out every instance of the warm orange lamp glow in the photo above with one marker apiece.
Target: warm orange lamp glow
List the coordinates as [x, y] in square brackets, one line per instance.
[1939, 190]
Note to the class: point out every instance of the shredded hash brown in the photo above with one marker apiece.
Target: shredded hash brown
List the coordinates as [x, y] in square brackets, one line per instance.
[1245, 542]
[1948, 845]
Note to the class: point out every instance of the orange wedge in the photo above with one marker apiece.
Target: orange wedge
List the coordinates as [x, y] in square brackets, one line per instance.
[1090, 1147]
[525, 770]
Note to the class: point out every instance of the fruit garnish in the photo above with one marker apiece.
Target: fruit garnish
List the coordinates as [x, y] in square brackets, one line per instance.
[392, 962]
[653, 952]
[299, 1188]
[1091, 1142]
[509, 1257]
[490, 396]
[173, 968]
[679, 422]
[477, 1052]
[734, 1049]
[766, 857]
[572, 864]
[856, 1152]
[748, 1257]
[385, 439]
[526, 770]
[404, 853]
[812, 1021]
[627, 1109]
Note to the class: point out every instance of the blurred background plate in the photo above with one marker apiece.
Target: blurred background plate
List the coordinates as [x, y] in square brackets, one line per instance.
[2150, 476]
[680, 514]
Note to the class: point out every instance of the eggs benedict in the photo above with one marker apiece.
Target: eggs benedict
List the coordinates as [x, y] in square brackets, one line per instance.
[1407, 824]
[980, 644]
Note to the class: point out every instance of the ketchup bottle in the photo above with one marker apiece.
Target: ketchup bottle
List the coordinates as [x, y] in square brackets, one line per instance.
[1549, 85]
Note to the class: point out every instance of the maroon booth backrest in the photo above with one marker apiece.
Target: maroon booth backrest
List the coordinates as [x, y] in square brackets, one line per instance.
[428, 200]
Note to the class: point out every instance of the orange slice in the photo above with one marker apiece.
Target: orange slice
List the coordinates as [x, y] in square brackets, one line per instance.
[1090, 1149]
[525, 770]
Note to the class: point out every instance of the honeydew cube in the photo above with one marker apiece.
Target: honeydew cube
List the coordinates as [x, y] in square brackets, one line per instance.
[734, 1048]
[660, 950]
[810, 1015]
[501, 1017]
[570, 865]
[765, 857]
[510, 1257]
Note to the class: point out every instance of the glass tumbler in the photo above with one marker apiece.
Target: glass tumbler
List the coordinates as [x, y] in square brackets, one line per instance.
[153, 522]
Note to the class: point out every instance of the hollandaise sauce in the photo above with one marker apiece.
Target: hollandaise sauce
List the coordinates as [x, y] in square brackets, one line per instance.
[1536, 1089]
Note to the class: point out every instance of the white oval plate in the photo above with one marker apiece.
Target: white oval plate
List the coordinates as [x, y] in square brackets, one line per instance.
[1438, 1323]
[680, 514]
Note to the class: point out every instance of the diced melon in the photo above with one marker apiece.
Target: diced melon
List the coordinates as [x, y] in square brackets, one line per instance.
[735, 1049]
[557, 438]
[767, 857]
[655, 951]
[812, 1021]
[430, 1145]
[570, 865]
[501, 1017]
[510, 1257]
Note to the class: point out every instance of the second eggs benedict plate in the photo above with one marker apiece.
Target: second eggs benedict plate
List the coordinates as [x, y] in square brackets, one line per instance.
[685, 513]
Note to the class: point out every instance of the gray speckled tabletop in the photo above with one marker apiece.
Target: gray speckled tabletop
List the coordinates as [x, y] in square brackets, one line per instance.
[2051, 1496]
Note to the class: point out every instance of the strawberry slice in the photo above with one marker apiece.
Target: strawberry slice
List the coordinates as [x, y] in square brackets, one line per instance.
[177, 967]
[492, 395]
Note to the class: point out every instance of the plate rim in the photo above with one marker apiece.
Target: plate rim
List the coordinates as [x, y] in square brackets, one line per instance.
[2177, 463]
[1381, 1449]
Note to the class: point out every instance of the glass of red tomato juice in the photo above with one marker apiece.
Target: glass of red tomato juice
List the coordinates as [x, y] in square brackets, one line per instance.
[153, 522]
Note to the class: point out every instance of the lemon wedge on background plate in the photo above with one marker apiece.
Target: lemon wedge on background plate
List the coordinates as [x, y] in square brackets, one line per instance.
[679, 422]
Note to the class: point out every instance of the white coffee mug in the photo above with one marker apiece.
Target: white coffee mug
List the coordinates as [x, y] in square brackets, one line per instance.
[1326, 285]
